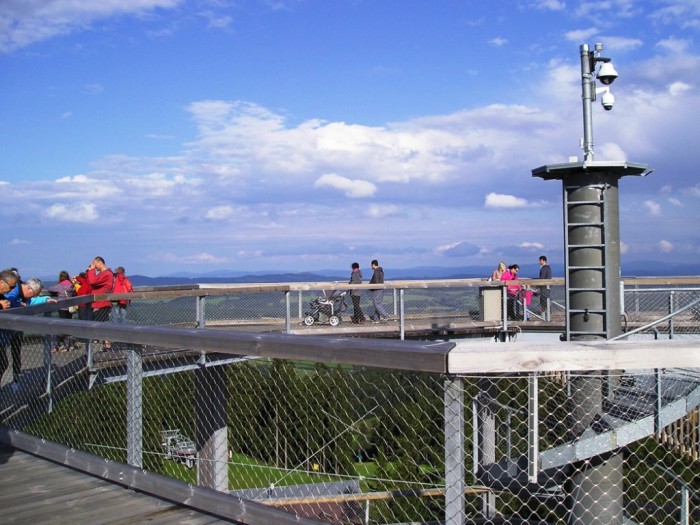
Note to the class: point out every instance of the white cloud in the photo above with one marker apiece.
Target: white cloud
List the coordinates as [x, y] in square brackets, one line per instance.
[382, 211]
[681, 13]
[94, 88]
[678, 88]
[81, 213]
[239, 136]
[610, 151]
[219, 213]
[621, 44]
[498, 42]
[351, 188]
[552, 5]
[458, 249]
[78, 179]
[665, 246]
[500, 200]
[532, 245]
[202, 258]
[674, 45]
[580, 35]
[24, 22]
[598, 9]
[653, 207]
[217, 20]
[674, 201]
[17, 242]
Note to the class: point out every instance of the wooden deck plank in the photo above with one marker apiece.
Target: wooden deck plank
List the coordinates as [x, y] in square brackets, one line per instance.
[34, 491]
[170, 516]
[45, 508]
[127, 506]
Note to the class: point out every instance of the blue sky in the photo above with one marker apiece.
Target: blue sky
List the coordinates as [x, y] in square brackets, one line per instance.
[202, 135]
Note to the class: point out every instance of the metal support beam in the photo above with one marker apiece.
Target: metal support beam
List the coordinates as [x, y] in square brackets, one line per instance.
[211, 398]
[658, 402]
[685, 505]
[533, 435]
[134, 406]
[454, 452]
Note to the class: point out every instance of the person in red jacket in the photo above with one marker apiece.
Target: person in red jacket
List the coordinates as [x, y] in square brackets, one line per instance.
[122, 284]
[101, 281]
[82, 287]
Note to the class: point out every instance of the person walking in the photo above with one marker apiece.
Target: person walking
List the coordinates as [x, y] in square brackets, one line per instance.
[378, 293]
[358, 317]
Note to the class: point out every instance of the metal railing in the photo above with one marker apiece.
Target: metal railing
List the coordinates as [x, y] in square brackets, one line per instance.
[349, 428]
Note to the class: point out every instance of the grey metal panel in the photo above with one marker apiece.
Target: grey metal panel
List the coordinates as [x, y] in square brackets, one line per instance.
[618, 168]
[177, 369]
[591, 445]
[673, 412]
[404, 355]
[693, 399]
[630, 433]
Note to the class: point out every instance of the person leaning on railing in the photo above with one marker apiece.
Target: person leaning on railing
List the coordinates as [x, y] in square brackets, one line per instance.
[516, 293]
[8, 280]
[24, 293]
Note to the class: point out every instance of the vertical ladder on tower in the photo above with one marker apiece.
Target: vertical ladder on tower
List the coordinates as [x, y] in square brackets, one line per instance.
[594, 241]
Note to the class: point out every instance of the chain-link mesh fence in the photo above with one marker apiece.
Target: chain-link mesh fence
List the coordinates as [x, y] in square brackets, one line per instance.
[360, 444]
[645, 304]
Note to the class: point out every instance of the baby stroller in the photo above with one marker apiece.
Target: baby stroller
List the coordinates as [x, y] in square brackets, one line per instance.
[331, 304]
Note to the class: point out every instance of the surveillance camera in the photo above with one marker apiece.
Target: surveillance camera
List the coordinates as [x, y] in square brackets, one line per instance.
[607, 73]
[608, 100]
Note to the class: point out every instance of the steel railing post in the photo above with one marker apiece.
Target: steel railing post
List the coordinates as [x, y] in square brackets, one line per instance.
[48, 366]
[671, 306]
[287, 312]
[658, 402]
[201, 306]
[401, 314]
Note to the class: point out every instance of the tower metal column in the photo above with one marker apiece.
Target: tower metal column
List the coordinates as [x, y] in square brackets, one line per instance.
[592, 270]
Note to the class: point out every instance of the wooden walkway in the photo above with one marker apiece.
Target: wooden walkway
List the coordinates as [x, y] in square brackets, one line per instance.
[35, 491]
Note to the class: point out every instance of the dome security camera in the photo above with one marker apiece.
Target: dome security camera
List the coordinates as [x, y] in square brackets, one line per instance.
[607, 73]
[607, 100]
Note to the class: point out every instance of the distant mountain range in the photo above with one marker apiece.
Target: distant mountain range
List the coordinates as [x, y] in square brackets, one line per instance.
[630, 269]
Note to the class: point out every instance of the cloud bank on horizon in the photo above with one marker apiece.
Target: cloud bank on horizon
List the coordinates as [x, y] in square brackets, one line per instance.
[174, 135]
